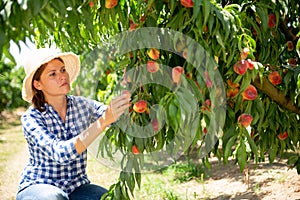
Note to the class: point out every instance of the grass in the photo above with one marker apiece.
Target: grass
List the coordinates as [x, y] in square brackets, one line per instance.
[159, 185]
[164, 184]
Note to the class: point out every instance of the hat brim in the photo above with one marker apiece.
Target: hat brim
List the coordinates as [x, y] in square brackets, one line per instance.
[72, 65]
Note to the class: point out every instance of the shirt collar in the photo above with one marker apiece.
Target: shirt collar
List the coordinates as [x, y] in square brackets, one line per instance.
[70, 101]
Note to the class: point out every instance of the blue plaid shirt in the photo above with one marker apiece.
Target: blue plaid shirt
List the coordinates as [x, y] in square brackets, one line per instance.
[53, 158]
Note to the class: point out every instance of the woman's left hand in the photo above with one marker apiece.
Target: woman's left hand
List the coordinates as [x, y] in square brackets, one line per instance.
[116, 108]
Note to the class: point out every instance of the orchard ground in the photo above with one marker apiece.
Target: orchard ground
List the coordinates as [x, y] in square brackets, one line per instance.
[180, 181]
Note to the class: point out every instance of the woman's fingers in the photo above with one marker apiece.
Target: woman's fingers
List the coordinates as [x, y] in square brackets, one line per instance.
[119, 105]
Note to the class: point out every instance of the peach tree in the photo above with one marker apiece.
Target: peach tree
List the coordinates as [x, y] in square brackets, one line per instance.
[214, 76]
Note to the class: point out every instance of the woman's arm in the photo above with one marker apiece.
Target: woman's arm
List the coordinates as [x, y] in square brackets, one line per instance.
[114, 110]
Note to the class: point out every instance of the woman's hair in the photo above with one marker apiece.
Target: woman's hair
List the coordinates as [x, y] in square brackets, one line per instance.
[38, 99]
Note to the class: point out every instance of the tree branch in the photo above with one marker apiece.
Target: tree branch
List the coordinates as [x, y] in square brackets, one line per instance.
[275, 94]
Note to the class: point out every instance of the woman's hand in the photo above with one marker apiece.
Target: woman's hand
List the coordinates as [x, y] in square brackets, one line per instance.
[116, 108]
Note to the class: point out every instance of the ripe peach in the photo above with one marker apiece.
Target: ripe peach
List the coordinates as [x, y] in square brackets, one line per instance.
[240, 67]
[152, 66]
[140, 106]
[208, 102]
[231, 92]
[271, 20]
[132, 25]
[208, 81]
[292, 62]
[176, 74]
[250, 64]
[187, 3]
[250, 93]
[244, 53]
[110, 3]
[153, 54]
[143, 18]
[275, 78]
[283, 136]
[290, 45]
[135, 150]
[232, 85]
[155, 124]
[245, 120]
[91, 4]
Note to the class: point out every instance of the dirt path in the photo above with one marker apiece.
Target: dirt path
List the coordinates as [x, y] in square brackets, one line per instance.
[268, 182]
[13, 151]
[10, 177]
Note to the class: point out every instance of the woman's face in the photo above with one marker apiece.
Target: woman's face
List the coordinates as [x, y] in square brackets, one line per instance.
[54, 80]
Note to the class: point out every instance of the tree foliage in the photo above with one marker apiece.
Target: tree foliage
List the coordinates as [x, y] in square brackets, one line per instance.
[254, 44]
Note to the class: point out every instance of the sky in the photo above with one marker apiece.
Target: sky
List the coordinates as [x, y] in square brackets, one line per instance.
[20, 55]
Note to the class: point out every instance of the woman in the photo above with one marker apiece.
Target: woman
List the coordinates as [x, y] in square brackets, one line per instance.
[58, 129]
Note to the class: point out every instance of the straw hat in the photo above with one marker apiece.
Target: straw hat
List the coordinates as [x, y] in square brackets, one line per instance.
[44, 55]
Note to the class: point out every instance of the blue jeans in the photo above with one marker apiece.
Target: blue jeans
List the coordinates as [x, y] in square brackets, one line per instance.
[50, 192]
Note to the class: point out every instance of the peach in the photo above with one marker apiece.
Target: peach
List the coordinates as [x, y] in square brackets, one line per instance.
[143, 18]
[250, 64]
[91, 4]
[140, 106]
[271, 20]
[187, 3]
[244, 53]
[135, 150]
[232, 92]
[250, 93]
[275, 78]
[176, 74]
[155, 124]
[245, 120]
[292, 62]
[152, 66]
[208, 102]
[208, 81]
[240, 67]
[232, 85]
[110, 3]
[283, 136]
[153, 54]
[290, 45]
[132, 25]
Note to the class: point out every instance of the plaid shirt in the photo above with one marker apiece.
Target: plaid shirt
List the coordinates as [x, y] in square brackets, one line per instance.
[53, 158]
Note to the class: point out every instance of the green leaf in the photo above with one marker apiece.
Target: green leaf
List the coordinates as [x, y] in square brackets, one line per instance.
[263, 16]
[253, 147]
[228, 148]
[273, 152]
[206, 10]
[117, 191]
[242, 155]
